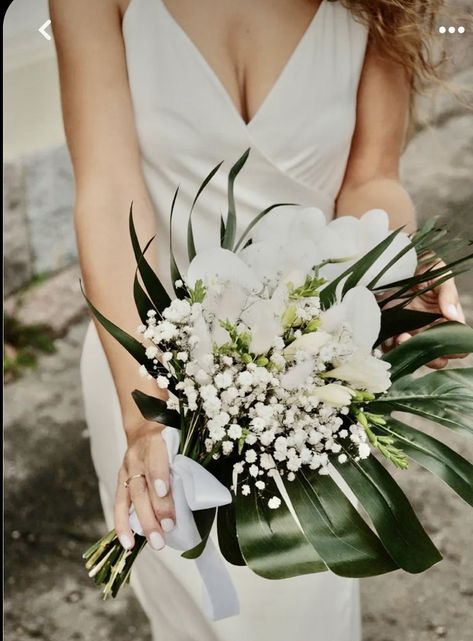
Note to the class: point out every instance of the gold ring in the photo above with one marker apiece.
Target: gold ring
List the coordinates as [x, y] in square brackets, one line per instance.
[135, 476]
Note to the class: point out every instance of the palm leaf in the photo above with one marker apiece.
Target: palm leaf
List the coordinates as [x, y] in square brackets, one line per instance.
[445, 397]
[436, 457]
[153, 285]
[355, 272]
[133, 347]
[231, 222]
[174, 269]
[444, 339]
[155, 409]
[271, 542]
[256, 219]
[335, 529]
[391, 513]
[204, 520]
[395, 321]
[142, 300]
[227, 535]
[191, 251]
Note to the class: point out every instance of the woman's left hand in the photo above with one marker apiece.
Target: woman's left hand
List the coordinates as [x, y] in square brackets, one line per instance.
[442, 300]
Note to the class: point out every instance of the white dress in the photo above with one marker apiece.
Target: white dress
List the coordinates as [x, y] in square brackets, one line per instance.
[300, 139]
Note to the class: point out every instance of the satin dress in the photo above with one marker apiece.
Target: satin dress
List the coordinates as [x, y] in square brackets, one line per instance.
[300, 140]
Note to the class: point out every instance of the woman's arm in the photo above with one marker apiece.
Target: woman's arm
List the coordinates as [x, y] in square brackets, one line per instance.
[372, 176]
[100, 131]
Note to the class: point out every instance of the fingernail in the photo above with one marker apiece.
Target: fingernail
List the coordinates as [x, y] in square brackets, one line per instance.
[156, 540]
[388, 343]
[125, 541]
[161, 488]
[403, 338]
[452, 312]
[168, 525]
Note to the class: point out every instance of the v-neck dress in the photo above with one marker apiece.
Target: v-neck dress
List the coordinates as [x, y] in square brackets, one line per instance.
[300, 140]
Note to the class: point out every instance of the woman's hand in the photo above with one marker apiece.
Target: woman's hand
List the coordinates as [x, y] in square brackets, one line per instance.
[442, 300]
[146, 460]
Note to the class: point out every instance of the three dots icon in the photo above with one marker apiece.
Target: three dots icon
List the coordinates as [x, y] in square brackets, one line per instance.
[443, 29]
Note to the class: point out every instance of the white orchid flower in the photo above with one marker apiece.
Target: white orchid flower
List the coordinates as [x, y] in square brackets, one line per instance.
[289, 224]
[352, 238]
[363, 371]
[273, 259]
[360, 311]
[222, 265]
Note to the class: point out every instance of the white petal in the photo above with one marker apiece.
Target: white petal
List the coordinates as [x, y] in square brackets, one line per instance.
[334, 394]
[228, 307]
[263, 258]
[263, 319]
[290, 223]
[364, 371]
[405, 267]
[375, 227]
[221, 264]
[360, 311]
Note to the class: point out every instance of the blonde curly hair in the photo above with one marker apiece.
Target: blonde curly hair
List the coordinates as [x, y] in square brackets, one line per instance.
[403, 30]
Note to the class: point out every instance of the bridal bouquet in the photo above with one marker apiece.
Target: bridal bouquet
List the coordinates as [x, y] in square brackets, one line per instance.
[279, 400]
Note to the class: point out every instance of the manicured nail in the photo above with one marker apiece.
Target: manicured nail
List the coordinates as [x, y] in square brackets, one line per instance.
[403, 338]
[388, 343]
[452, 312]
[125, 541]
[161, 488]
[156, 540]
[168, 525]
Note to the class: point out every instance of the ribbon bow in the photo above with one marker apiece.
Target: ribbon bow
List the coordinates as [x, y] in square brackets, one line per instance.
[194, 488]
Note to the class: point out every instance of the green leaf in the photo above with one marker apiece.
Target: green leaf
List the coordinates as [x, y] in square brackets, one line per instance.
[222, 230]
[335, 529]
[153, 285]
[174, 269]
[155, 409]
[257, 218]
[433, 273]
[227, 535]
[445, 396]
[271, 542]
[396, 321]
[231, 223]
[444, 339]
[441, 460]
[133, 347]
[142, 300]
[204, 520]
[191, 251]
[392, 515]
[355, 272]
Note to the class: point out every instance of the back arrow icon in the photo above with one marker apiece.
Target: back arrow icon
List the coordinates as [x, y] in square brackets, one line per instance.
[43, 31]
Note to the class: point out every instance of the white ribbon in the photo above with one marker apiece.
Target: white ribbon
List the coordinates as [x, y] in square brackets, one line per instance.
[194, 488]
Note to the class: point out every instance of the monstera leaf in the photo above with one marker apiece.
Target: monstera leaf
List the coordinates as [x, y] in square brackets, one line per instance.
[445, 397]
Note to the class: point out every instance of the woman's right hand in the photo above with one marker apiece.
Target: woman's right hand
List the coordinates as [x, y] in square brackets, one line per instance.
[149, 492]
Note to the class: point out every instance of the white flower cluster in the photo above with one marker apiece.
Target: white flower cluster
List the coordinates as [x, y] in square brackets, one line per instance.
[272, 412]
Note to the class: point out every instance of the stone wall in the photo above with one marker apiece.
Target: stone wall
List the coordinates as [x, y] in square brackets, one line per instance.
[38, 218]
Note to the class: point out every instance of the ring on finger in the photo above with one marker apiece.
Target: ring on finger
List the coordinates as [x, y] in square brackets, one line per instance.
[131, 478]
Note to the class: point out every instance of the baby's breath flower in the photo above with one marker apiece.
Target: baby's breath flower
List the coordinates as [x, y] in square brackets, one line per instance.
[274, 502]
[163, 382]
